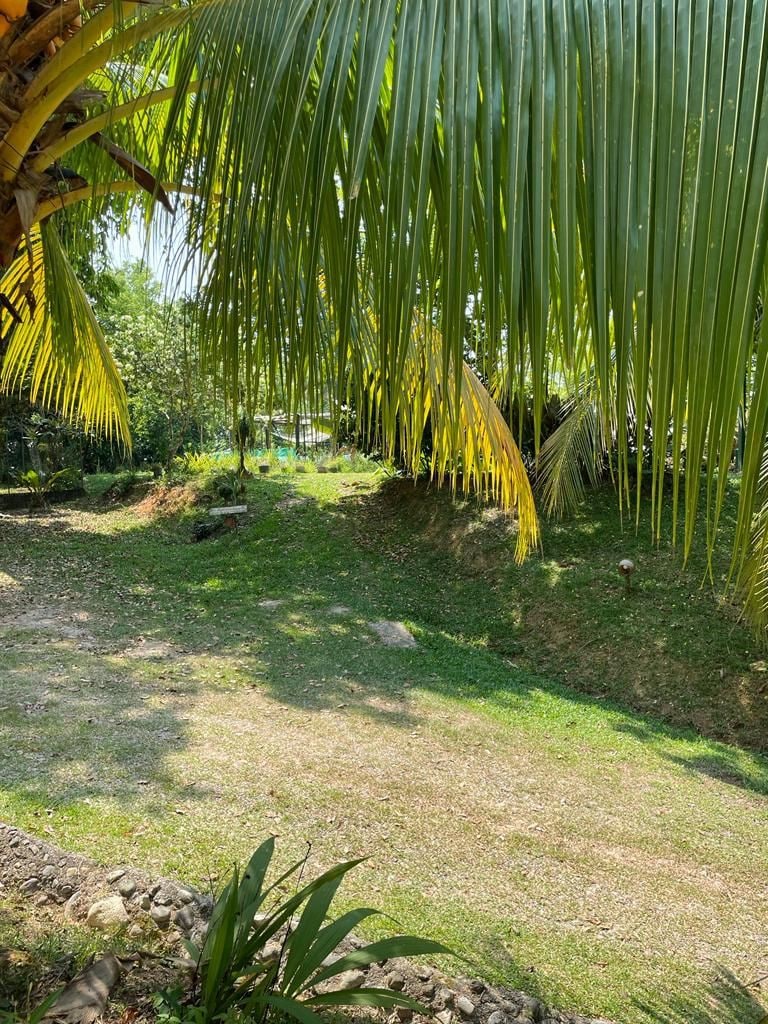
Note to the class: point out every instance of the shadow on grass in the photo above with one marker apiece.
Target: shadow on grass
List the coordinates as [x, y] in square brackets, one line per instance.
[727, 1002]
[75, 727]
[720, 770]
[727, 765]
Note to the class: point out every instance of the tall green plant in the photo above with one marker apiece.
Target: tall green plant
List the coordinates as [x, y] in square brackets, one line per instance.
[40, 484]
[232, 977]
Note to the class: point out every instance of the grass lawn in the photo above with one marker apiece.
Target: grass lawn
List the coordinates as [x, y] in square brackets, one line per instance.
[562, 781]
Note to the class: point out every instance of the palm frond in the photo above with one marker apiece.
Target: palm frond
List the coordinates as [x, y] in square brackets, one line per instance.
[574, 453]
[752, 579]
[480, 456]
[55, 352]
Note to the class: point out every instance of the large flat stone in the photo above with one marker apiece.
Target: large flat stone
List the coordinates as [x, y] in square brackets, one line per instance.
[393, 634]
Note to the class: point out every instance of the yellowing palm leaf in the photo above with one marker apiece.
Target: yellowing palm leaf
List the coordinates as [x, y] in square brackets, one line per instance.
[57, 353]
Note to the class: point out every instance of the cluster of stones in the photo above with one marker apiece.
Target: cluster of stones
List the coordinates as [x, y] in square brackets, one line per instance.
[126, 899]
[38, 870]
[175, 911]
[453, 1001]
[122, 898]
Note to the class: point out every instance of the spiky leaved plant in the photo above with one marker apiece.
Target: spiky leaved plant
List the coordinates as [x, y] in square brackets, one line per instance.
[234, 979]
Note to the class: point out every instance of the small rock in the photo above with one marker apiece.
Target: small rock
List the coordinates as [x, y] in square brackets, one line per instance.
[72, 873]
[107, 914]
[424, 973]
[444, 1017]
[532, 1010]
[126, 888]
[395, 981]
[271, 951]
[184, 896]
[465, 1005]
[72, 906]
[65, 891]
[145, 901]
[349, 980]
[31, 885]
[184, 918]
[511, 1006]
[42, 898]
[393, 634]
[444, 998]
[162, 899]
[498, 1017]
[134, 931]
[13, 842]
[48, 871]
[115, 876]
[154, 889]
[161, 916]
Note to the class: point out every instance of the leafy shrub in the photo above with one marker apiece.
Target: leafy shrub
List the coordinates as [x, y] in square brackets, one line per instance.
[236, 977]
[348, 462]
[68, 479]
[196, 463]
[216, 487]
[227, 486]
[39, 484]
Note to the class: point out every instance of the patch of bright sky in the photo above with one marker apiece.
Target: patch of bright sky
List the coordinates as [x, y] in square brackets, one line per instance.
[158, 248]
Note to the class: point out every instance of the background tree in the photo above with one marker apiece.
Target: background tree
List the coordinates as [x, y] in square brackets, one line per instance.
[172, 401]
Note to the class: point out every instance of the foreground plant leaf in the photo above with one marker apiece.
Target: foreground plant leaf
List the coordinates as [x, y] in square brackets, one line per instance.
[233, 974]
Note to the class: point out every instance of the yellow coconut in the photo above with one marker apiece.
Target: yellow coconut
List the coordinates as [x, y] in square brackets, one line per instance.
[10, 11]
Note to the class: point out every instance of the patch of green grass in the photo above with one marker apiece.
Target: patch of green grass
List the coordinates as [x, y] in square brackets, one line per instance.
[38, 956]
[541, 782]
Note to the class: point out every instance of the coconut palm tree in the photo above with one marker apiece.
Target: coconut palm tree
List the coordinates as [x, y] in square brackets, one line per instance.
[584, 183]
